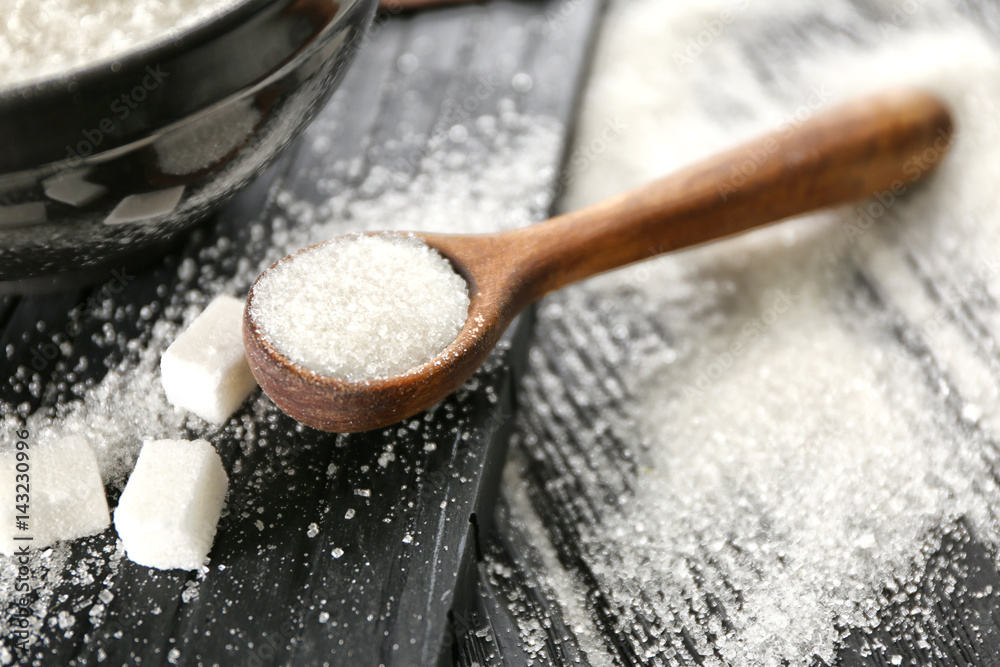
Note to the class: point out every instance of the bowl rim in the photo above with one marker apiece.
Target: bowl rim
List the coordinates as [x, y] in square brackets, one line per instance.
[41, 124]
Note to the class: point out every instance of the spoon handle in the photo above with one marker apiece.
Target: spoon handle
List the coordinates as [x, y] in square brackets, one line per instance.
[880, 143]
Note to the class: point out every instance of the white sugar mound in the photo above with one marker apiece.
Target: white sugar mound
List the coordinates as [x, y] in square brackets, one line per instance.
[43, 39]
[362, 307]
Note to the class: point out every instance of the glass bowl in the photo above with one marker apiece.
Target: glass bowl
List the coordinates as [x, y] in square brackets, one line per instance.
[114, 160]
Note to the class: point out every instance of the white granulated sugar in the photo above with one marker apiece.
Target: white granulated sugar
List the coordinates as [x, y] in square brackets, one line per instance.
[570, 592]
[116, 413]
[63, 494]
[169, 510]
[498, 178]
[362, 307]
[205, 369]
[40, 39]
[798, 456]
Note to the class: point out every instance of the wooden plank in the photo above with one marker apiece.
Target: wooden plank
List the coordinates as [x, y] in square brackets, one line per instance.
[583, 455]
[333, 549]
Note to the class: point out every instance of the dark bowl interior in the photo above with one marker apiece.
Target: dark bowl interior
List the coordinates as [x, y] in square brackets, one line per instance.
[112, 161]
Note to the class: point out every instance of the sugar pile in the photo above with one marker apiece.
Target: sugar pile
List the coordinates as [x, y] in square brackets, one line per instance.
[362, 307]
[779, 490]
[43, 39]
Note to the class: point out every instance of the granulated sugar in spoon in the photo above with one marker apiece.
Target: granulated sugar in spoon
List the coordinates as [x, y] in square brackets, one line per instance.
[360, 331]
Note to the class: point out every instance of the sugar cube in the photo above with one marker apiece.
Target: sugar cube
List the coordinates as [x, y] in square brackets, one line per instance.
[205, 369]
[57, 486]
[170, 508]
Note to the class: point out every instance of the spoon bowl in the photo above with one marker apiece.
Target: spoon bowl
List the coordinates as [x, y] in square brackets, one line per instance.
[882, 142]
[346, 406]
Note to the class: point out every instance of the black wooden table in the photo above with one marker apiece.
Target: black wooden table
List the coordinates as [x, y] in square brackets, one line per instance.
[397, 546]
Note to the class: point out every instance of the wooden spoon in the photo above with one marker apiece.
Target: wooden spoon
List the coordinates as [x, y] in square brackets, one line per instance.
[875, 145]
